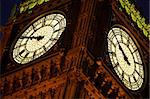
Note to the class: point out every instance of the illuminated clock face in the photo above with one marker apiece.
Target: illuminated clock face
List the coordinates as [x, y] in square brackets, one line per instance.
[38, 38]
[125, 58]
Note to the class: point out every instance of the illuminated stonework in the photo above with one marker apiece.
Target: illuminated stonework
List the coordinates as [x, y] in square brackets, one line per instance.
[136, 17]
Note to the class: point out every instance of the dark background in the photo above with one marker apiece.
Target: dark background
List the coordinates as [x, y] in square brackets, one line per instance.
[7, 5]
[5, 9]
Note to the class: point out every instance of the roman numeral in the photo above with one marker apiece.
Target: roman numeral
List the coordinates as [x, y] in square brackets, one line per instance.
[34, 54]
[130, 82]
[52, 39]
[121, 35]
[19, 46]
[53, 19]
[122, 75]
[112, 42]
[43, 22]
[58, 22]
[21, 52]
[138, 73]
[137, 63]
[26, 55]
[135, 81]
[44, 48]
[58, 30]
[128, 42]
[33, 29]
[134, 51]
[116, 65]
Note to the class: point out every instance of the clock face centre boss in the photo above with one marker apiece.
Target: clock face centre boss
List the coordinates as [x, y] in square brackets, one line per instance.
[38, 38]
[125, 58]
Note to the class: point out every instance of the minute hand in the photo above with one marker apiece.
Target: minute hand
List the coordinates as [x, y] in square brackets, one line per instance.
[125, 57]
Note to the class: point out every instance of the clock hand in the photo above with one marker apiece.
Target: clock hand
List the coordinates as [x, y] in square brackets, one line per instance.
[37, 38]
[40, 37]
[125, 57]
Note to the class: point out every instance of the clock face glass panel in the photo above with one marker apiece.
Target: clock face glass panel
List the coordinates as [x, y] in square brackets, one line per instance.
[125, 58]
[38, 38]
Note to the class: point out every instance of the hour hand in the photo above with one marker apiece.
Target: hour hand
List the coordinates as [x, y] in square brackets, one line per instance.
[39, 38]
[33, 37]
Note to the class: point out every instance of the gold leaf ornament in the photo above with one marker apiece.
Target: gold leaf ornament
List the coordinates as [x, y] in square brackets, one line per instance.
[40, 1]
[32, 5]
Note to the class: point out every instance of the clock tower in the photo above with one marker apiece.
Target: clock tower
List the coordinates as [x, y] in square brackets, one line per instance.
[66, 49]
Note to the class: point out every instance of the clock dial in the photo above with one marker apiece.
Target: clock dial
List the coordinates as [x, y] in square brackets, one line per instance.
[125, 58]
[38, 38]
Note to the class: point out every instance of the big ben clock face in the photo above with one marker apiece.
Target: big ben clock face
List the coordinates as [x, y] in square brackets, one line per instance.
[38, 38]
[125, 58]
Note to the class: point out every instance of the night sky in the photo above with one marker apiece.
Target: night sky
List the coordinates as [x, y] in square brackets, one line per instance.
[6, 6]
